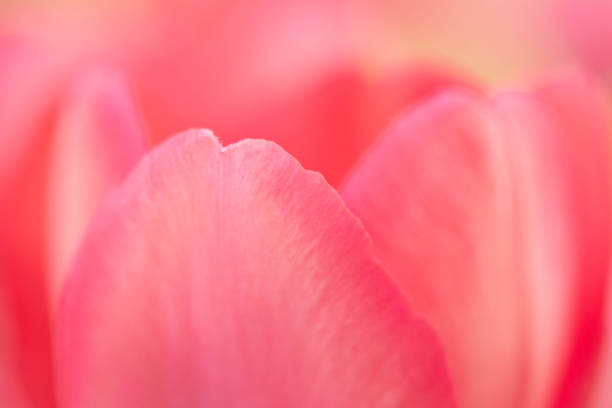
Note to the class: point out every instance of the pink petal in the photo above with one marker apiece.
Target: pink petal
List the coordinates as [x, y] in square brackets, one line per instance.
[32, 78]
[98, 138]
[434, 194]
[232, 277]
[585, 24]
[13, 392]
[27, 80]
[564, 153]
[492, 217]
[600, 393]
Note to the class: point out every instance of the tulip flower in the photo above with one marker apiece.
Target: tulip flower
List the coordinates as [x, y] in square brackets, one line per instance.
[83, 109]
[463, 260]
[490, 214]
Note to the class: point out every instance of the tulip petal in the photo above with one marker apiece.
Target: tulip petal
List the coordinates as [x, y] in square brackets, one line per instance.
[27, 80]
[233, 277]
[434, 194]
[563, 172]
[600, 394]
[491, 215]
[97, 140]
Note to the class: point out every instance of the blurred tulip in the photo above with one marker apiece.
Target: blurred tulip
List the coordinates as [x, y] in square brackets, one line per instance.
[492, 215]
[196, 274]
[72, 131]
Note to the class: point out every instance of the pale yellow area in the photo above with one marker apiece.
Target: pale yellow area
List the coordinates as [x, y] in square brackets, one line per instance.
[496, 40]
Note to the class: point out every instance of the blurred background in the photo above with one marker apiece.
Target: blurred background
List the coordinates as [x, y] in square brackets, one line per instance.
[310, 75]
[322, 77]
[492, 39]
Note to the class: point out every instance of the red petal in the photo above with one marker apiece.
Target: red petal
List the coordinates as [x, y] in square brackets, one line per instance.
[31, 78]
[232, 277]
[28, 77]
[493, 219]
[97, 140]
[27, 81]
[600, 393]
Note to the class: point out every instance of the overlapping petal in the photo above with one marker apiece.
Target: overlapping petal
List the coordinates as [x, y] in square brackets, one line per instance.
[233, 277]
[563, 173]
[600, 393]
[492, 215]
[98, 138]
[27, 80]
[434, 194]
[33, 81]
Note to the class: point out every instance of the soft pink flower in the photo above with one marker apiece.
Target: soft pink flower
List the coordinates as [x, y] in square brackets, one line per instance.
[85, 102]
[464, 262]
